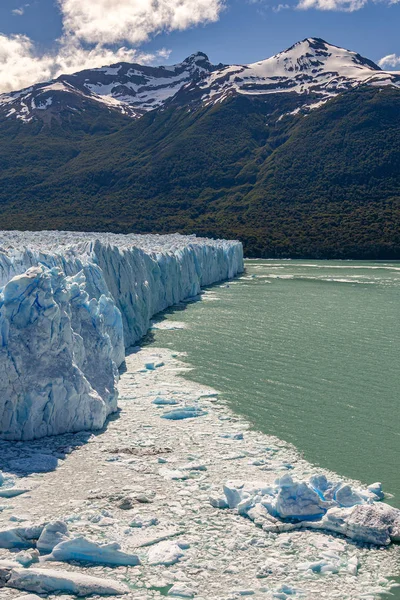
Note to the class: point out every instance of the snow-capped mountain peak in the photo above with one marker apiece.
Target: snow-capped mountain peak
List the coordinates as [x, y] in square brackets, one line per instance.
[312, 69]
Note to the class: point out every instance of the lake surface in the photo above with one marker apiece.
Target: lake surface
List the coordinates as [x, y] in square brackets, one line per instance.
[308, 351]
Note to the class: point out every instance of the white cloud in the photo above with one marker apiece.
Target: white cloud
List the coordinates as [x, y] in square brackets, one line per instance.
[18, 11]
[21, 66]
[341, 5]
[391, 60]
[134, 21]
[338, 5]
[281, 7]
[92, 29]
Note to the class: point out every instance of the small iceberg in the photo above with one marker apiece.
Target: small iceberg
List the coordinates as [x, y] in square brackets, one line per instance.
[83, 550]
[48, 581]
[164, 401]
[187, 412]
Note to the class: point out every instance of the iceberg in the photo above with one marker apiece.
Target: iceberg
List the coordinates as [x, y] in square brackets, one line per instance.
[51, 581]
[70, 303]
[20, 537]
[83, 550]
[187, 412]
[317, 503]
[52, 535]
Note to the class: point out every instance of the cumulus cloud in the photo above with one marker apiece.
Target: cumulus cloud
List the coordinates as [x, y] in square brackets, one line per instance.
[337, 5]
[281, 7]
[134, 21]
[391, 60]
[94, 31]
[21, 66]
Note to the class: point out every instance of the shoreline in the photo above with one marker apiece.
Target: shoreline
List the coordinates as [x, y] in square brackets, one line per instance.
[168, 470]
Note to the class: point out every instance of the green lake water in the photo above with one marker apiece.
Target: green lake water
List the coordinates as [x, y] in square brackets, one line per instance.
[308, 351]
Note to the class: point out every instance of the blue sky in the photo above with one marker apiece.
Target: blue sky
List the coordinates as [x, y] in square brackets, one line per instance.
[95, 32]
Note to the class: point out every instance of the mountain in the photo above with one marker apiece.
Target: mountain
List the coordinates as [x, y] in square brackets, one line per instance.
[297, 155]
[313, 69]
[130, 89]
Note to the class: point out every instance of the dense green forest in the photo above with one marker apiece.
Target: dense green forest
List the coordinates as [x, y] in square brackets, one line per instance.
[325, 184]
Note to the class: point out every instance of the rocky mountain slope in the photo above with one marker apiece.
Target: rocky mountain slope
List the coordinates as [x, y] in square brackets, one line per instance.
[295, 155]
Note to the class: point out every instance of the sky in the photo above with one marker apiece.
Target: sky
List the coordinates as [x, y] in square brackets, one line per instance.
[40, 39]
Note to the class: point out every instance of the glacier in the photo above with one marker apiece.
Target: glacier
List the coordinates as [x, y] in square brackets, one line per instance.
[71, 303]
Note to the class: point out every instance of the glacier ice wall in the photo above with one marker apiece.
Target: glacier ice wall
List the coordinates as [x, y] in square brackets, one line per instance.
[70, 303]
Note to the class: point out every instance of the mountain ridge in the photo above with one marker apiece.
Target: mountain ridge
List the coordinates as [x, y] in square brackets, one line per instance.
[311, 67]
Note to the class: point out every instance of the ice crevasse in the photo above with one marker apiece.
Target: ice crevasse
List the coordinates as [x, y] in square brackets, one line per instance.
[70, 303]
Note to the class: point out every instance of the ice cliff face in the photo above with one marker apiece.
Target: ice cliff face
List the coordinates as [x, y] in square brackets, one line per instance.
[69, 306]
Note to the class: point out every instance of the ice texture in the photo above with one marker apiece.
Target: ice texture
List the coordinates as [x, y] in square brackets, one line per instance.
[316, 504]
[70, 304]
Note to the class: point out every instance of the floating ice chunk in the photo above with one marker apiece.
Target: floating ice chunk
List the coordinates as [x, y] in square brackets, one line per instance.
[83, 550]
[152, 366]
[352, 565]
[180, 590]
[28, 597]
[298, 501]
[346, 496]
[232, 436]
[52, 534]
[173, 474]
[184, 413]
[143, 522]
[193, 466]
[376, 489]
[48, 581]
[164, 401]
[219, 502]
[165, 553]
[27, 558]
[20, 537]
[12, 492]
[376, 523]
